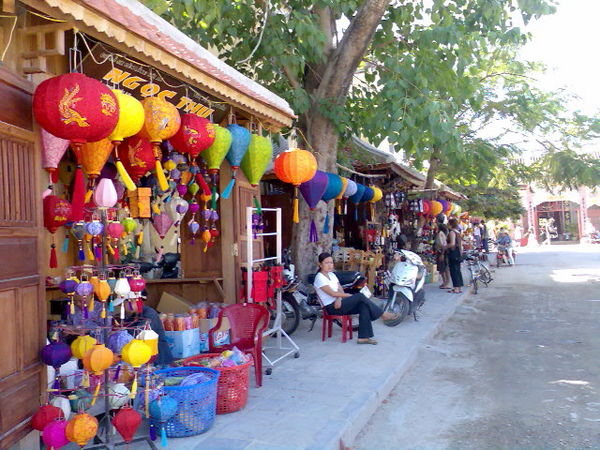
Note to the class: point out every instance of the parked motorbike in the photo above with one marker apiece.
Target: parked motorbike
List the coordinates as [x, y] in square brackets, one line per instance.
[405, 288]
[502, 255]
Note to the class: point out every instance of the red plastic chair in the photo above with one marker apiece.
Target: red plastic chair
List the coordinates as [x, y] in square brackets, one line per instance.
[328, 319]
[248, 321]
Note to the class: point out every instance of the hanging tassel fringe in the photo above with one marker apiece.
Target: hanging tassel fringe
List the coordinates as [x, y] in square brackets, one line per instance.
[88, 195]
[117, 372]
[313, 235]
[326, 225]
[98, 251]
[227, 191]
[152, 432]
[96, 391]
[65, 244]
[163, 437]
[78, 196]
[81, 254]
[203, 184]
[296, 217]
[53, 259]
[125, 178]
[160, 176]
[213, 198]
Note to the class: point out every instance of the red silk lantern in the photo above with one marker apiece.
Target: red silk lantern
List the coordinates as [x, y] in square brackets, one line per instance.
[78, 108]
[44, 415]
[137, 155]
[127, 421]
[194, 136]
[57, 212]
[295, 167]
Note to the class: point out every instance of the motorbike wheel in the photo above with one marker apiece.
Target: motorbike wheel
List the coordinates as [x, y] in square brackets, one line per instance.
[401, 307]
[291, 315]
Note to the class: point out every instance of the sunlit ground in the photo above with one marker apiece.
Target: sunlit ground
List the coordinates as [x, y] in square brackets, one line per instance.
[578, 248]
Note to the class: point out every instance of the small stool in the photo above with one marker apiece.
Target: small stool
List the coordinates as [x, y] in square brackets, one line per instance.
[328, 319]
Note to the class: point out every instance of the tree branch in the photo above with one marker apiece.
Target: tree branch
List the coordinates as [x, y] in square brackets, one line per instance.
[346, 58]
[292, 78]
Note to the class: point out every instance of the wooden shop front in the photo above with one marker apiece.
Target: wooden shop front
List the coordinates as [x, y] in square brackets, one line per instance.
[144, 56]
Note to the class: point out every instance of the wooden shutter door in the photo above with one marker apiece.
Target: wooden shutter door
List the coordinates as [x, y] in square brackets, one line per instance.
[22, 304]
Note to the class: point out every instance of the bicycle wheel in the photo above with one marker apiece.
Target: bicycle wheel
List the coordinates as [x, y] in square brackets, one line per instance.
[485, 275]
[474, 285]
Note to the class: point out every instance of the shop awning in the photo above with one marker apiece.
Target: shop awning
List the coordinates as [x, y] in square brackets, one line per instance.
[132, 28]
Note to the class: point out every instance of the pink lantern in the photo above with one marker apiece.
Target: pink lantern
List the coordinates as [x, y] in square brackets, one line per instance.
[53, 150]
[115, 229]
[162, 222]
[54, 434]
[105, 195]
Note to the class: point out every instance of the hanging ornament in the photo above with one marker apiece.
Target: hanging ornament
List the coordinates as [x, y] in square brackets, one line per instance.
[53, 149]
[55, 355]
[137, 285]
[136, 353]
[131, 120]
[214, 156]
[150, 337]
[295, 167]
[81, 428]
[115, 231]
[62, 403]
[119, 395]
[76, 107]
[117, 340]
[81, 345]
[162, 223]
[334, 188]
[85, 290]
[136, 154]
[194, 136]
[102, 290]
[240, 140]
[161, 122]
[57, 212]
[68, 286]
[127, 421]
[257, 158]
[161, 411]
[96, 361]
[78, 232]
[122, 290]
[312, 191]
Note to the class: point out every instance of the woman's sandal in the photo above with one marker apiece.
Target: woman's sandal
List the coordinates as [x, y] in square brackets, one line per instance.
[367, 341]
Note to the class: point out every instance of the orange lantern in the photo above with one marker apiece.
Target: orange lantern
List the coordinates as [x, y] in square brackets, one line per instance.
[161, 122]
[81, 428]
[97, 360]
[93, 157]
[295, 167]
[102, 290]
[436, 208]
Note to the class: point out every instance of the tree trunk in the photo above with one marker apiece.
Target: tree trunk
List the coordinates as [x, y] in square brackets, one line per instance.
[434, 164]
[329, 83]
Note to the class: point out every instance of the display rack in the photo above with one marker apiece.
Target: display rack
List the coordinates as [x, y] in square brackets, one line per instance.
[276, 330]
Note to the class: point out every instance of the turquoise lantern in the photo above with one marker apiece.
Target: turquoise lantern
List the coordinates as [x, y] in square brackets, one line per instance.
[239, 146]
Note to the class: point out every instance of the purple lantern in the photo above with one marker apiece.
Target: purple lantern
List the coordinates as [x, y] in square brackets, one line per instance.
[55, 354]
[68, 286]
[182, 208]
[162, 222]
[116, 341]
[182, 189]
[194, 207]
[109, 171]
[84, 288]
[313, 191]
[94, 227]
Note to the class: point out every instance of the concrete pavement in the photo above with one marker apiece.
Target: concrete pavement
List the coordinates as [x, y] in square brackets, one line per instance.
[515, 367]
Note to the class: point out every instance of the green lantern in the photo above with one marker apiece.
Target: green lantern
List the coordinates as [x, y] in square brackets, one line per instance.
[257, 158]
[214, 156]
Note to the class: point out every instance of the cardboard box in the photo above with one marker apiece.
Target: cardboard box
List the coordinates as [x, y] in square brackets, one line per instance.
[207, 324]
[171, 303]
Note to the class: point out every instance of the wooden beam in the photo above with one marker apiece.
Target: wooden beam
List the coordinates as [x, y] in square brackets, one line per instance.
[9, 6]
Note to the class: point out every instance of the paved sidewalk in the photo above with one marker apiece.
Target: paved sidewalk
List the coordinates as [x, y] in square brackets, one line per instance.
[324, 398]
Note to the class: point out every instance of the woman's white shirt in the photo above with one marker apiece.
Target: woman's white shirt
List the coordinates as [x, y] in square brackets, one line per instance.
[323, 280]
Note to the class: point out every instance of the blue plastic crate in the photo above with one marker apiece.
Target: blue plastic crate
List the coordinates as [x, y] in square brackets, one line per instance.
[197, 403]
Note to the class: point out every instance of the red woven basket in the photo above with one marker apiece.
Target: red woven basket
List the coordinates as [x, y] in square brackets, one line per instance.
[232, 388]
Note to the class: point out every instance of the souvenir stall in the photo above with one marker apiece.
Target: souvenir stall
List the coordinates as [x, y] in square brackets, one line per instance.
[128, 152]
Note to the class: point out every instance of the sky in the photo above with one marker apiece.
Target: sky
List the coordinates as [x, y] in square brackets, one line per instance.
[567, 42]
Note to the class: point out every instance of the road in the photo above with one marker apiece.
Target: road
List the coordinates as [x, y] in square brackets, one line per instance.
[516, 367]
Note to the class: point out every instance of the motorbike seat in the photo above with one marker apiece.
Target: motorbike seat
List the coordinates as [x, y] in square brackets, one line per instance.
[346, 277]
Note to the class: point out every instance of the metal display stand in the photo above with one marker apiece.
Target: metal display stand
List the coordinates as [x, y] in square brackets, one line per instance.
[276, 330]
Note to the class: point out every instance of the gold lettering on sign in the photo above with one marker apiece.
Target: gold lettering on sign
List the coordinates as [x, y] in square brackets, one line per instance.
[149, 89]
[165, 95]
[132, 82]
[116, 76]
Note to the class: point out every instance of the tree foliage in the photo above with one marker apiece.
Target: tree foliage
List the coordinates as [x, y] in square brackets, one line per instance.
[493, 203]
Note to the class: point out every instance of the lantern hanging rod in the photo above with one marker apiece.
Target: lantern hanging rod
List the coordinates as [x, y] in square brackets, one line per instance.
[360, 174]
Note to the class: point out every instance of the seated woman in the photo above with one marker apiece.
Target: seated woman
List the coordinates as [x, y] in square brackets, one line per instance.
[337, 302]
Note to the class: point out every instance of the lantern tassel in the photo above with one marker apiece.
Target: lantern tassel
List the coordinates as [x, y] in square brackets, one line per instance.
[339, 207]
[85, 380]
[163, 437]
[117, 372]
[326, 226]
[54, 175]
[81, 254]
[65, 244]
[98, 251]
[91, 305]
[111, 307]
[296, 217]
[257, 205]
[313, 235]
[88, 195]
[160, 176]
[78, 196]
[90, 253]
[152, 432]
[96, 391]
[122, 314]
[213, 198]
[227, 191]
[71, 307]
[53, 259]
[203, 184]
[125, 178]
[103, 313]
[134, 386]
[140, 238]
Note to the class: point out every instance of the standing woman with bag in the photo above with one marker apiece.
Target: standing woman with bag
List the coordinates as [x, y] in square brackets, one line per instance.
[455, 256]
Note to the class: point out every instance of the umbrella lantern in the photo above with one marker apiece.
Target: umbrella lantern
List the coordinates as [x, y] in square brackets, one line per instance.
[53, 149]
[78, 108]
[334, 188]
[312, 191]
[161, 122]
[239, 146]
[57, 212]
[295, 167]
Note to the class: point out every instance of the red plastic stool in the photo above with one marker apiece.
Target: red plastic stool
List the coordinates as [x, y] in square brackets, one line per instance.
[328, 325]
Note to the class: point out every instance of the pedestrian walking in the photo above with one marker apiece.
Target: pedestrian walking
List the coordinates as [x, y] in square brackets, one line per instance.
[440, 246]
[485, 237]
[455, 256]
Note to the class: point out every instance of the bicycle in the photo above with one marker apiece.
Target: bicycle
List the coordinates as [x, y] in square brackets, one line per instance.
[478, 270]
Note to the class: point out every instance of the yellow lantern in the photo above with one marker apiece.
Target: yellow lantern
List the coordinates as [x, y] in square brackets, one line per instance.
[136, 353]
[81, 428]
[161, 122]
[131, 120]
[81, 345]
[377, 194]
